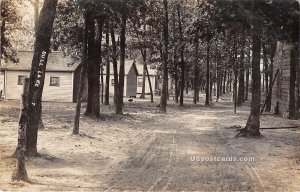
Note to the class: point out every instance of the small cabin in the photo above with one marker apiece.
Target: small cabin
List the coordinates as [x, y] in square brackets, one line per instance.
[59, 77]
[281, 87]
[130, 78]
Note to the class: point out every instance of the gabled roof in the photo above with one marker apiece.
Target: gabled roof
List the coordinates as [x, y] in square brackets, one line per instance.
[56, 62]
[128, 64]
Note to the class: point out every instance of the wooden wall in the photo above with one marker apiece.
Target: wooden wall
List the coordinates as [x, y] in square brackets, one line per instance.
[63, 93]
[280, 92]
[131, 82]
[147, 87]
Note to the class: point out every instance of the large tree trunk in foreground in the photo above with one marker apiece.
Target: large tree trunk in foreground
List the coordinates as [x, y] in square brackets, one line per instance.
[163, 98]
[20, 172]
[37, 75]
[93, 69]
[82, 79]
[36, 18]
[106, 102]
[253, 123]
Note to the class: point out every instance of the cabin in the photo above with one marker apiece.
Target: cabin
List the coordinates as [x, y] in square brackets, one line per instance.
[281, 87]
[130, 78]
[59, 77]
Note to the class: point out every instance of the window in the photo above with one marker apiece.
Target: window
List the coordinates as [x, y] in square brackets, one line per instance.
[140, 82]
[21, 79]
[54, 81]
[112, 82]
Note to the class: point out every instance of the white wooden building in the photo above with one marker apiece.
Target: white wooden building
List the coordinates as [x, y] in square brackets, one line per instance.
[59, 77]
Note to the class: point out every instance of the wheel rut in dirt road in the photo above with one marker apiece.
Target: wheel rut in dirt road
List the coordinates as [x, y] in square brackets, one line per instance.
[150, 165]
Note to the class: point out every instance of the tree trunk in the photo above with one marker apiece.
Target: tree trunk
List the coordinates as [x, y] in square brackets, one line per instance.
[36, 13]
[207, 75]
[102, 84]
[36, 18]
[211, 83]
[163, 98]
[235, 89]
[37, 75]
[144, 77]
[93, 69]
[119, 106]
[247, 75]
[220, 84]
[266, 71]
[90, 24]
[182, 63]
[293, 78]
[82, 78]
[144, 55]
[269, 98]
[176, 88]
[106, 102]
[241, 91]
[253, 123]
[196, 66]
[224, 82]
[115, 64]
[20, 172]
[186, 83]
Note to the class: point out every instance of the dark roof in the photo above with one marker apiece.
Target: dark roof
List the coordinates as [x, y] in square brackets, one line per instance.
[56, 62]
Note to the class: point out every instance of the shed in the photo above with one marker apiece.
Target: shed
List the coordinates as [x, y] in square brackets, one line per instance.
[130, 79]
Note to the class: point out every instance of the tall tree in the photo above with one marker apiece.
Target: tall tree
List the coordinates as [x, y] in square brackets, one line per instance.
[253, 123]
[241, 88]
[163, 98]
[106, 102]
[182, 62]
[82, 77]
[93, 70]
[37, 74]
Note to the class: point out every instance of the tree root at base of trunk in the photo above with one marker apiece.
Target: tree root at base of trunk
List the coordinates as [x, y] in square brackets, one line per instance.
[244, 132]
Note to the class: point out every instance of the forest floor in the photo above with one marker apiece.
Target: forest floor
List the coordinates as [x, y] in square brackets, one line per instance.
[146, 150]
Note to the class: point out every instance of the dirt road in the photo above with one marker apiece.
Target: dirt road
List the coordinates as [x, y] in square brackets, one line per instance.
[144, 150]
